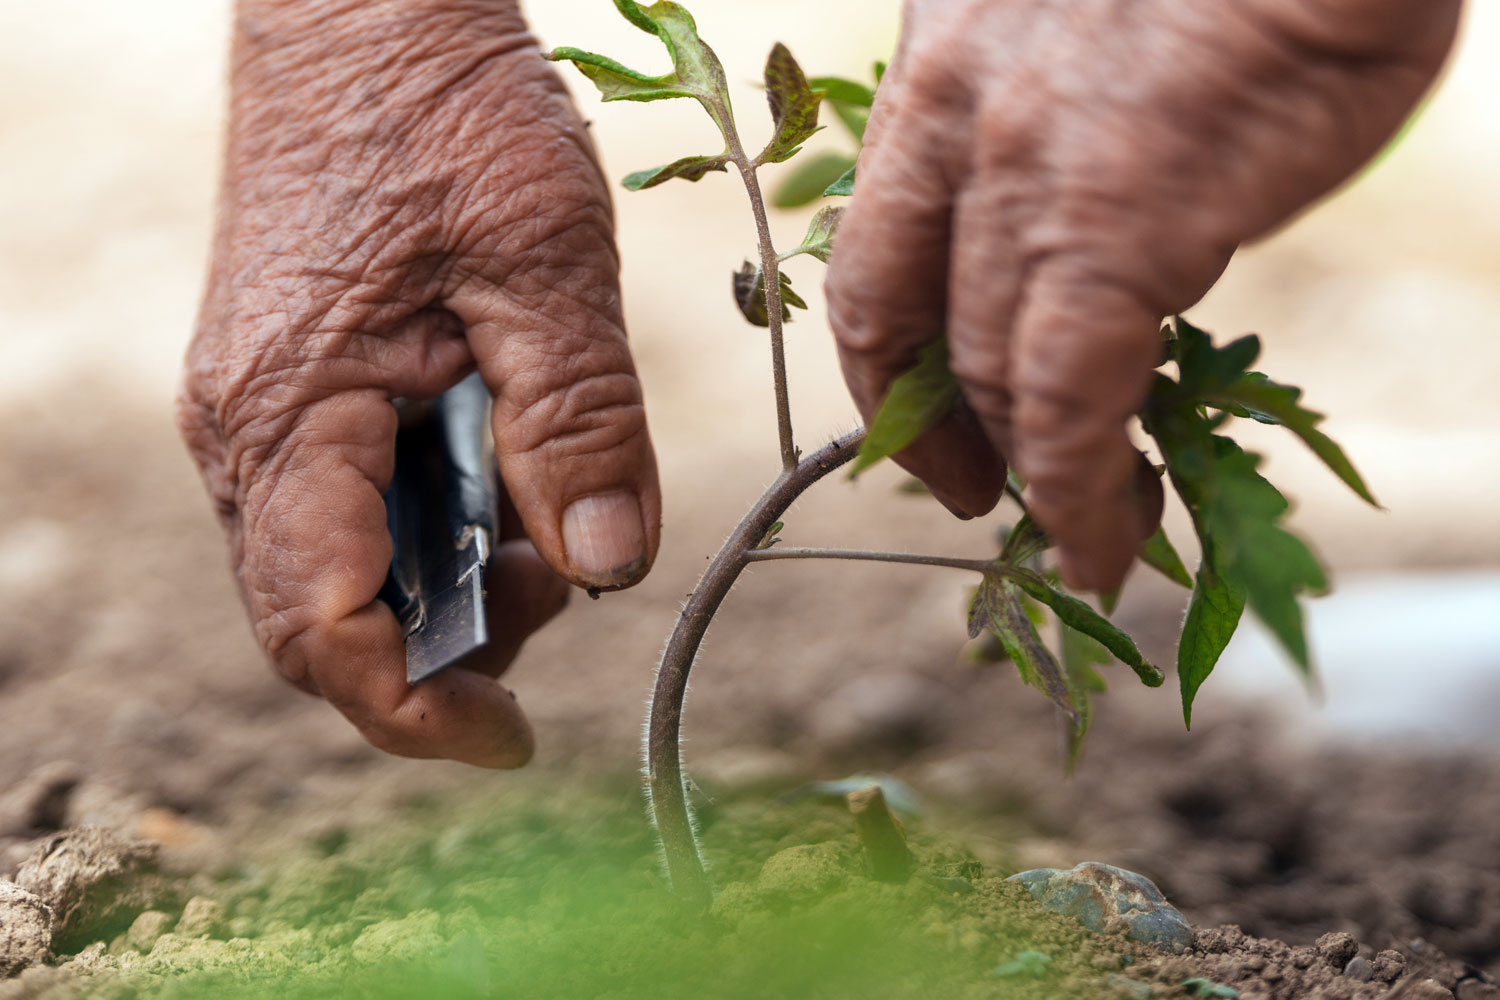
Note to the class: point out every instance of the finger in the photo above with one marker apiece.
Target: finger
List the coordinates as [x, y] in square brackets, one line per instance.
[314, 555]
[1085, 350]
[887, 299]
[569, 421]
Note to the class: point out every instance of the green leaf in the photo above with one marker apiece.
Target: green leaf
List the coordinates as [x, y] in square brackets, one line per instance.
[617, 82]
[1273, 565]
[837, 88]
[794, 106]
[689, 168]
[843, 186]
[808, 180]
[697, 72]
[1080, 655]
[1158, 553]
[1213, 615]
[1078, 615]
[915, 402]
[854, 119]
[820, 232]
[1206, 369]
[750, 295]
[998, 608]
[1025, 540]
[1276, 403]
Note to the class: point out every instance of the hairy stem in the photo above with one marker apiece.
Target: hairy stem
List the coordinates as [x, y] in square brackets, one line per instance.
[770, 268]
[869, 555]
[665, 791]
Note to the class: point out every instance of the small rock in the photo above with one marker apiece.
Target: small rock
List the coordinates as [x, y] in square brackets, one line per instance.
[202, 917]
[1428, 989]
[1093, 893]
[1389, 965]
[146, 928]
[25, 929]
[1337, 948]
[89, 876]
[1359, 969]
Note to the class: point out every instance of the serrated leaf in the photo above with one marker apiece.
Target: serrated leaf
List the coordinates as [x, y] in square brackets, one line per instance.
[1276, 403]
[794, 106]
[1158, 553]
[1272, 565]
[750, 295]
[1213, 614]
[820, 232]
[1076, 614]
[1206, 368]
[843, 186]
[915, 402]
[998, 609]
[697, 72]
[689, 168]
[808, 180]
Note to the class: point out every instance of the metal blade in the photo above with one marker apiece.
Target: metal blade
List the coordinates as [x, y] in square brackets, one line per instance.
[440, 509]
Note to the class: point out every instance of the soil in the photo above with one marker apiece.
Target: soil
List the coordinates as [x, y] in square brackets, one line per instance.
[134, 700]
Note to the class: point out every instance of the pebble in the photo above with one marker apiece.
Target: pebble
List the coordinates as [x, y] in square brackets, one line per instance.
[86, 873]
[1359, 969]
[25, 929]
[1097, 895]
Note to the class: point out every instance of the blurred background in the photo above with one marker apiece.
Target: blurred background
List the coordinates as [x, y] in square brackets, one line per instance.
[125, 660]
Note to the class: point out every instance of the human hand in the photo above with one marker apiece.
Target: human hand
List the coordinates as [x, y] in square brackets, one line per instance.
[1045, 181]
[409, 193]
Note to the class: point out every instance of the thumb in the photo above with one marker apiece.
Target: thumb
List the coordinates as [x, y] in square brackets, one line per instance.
[569, 421]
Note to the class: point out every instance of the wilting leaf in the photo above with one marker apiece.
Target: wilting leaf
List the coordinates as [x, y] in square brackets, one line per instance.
[750, 295]
[1213, 614]
[915, 402]
[843, 186]
[697, 72]
[1077, 615]
[1080, 655]
[820, 231]
[689, 168]
[998, 608]
[1158, 553]
[1025, 540]
[1275, 403]
[794, 106]
[808, 180]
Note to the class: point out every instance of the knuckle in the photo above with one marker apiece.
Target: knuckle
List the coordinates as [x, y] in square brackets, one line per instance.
[594, 413]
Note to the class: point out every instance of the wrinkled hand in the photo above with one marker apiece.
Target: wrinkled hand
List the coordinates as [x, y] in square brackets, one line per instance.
[409, 193]
[1045, 181]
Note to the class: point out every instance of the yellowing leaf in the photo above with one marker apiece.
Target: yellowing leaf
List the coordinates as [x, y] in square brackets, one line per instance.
[794, 106]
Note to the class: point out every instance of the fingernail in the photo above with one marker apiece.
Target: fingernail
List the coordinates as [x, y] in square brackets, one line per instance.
[604, 538]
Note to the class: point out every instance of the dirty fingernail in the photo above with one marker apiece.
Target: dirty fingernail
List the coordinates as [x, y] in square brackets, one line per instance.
[604, 538]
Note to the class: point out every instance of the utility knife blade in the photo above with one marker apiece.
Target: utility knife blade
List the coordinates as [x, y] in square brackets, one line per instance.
[440, 510]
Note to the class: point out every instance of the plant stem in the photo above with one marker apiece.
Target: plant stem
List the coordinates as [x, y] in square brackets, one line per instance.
[868, 555]
[770, 269]
[665, 792]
